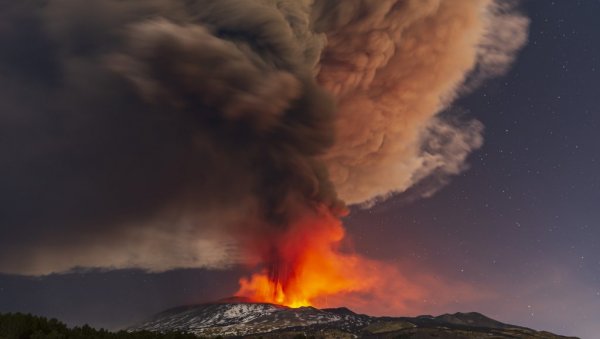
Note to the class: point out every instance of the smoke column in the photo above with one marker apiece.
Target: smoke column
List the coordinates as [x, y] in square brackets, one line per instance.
[167, 134]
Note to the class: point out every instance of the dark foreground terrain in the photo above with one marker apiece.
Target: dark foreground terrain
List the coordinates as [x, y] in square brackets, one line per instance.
[27, 326]
[256, 320]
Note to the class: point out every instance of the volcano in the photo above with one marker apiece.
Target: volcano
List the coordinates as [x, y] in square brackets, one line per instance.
[237, 317]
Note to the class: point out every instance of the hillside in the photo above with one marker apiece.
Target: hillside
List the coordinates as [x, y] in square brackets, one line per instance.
[253, 320]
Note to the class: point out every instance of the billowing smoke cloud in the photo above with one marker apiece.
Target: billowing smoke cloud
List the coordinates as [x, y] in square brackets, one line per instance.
[141, 133]
[393, 66]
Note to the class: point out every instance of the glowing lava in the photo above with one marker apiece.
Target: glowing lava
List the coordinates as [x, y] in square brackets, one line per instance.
[305, 265]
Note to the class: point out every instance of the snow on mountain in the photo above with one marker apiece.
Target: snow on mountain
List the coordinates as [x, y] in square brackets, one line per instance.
[243, 318]
[235, 318]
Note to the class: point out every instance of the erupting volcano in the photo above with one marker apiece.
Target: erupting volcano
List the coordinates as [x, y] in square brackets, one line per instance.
[306, 263]
[219, 133]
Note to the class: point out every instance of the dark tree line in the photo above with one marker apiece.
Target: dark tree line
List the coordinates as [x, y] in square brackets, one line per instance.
[27, 326]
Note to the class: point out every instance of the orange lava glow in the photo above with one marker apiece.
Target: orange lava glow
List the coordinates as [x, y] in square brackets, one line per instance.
[306, 265]
[310, 264]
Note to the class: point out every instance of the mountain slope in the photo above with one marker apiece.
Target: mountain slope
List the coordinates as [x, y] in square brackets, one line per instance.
[234, 318]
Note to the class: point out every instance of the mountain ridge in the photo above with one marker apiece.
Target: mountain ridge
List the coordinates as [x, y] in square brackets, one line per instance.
[242, 319]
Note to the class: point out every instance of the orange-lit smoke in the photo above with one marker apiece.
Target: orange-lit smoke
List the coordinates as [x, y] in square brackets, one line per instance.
[305, 265]
[312, 264]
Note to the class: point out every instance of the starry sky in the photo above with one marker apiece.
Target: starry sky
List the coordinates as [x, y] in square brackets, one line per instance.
[522, 224]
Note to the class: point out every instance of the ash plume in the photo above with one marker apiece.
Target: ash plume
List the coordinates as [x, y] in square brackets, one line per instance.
[164, 134]
[393, 67]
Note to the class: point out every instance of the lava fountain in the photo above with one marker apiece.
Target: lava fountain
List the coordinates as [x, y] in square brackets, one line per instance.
[305, 265]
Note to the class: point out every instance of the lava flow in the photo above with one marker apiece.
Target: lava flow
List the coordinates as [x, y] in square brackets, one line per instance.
[305, 265]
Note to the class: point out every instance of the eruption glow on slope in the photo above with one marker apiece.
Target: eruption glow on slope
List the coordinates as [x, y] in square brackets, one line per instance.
[306, 265]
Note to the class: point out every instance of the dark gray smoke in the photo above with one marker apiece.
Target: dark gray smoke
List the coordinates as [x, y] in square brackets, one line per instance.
[117, 112]
[140, 133]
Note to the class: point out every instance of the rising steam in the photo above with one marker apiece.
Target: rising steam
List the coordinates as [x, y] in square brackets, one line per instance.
[162, 134]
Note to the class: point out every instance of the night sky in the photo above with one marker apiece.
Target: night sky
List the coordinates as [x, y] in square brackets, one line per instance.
[522, 224]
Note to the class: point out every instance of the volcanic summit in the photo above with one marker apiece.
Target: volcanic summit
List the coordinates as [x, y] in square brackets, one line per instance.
[236, 317]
